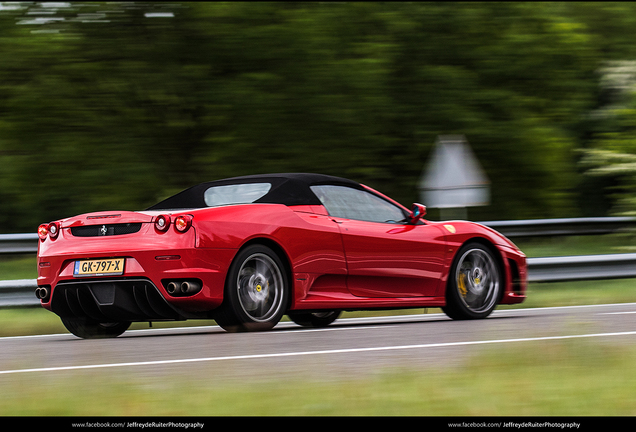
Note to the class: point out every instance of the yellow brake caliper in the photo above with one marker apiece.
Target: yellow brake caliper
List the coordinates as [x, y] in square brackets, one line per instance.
[462, 284]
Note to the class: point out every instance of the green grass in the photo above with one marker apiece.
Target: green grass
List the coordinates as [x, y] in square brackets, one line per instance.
[574, 378]
[18, 267]
[579, 293]
[576, 245]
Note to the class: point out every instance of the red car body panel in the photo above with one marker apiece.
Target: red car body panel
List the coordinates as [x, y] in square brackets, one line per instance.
[333, 263]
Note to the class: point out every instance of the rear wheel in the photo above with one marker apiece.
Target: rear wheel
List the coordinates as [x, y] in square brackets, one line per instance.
[474, 283]
[88, 329]
[314, 319]
[256, 291]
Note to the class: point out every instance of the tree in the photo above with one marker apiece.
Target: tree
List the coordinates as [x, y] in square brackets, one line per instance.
[118, 105]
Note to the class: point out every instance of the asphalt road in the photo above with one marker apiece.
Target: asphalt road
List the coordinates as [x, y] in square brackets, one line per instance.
[346, 348]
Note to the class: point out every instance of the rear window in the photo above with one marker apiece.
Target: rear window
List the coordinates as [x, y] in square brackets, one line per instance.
[235, 194]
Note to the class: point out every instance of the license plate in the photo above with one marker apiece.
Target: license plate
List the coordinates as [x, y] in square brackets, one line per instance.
[99, 267]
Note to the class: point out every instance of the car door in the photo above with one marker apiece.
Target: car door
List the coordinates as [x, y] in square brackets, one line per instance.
[386, 257]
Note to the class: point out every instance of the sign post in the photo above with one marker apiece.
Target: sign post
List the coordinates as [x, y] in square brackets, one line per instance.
[453, 179]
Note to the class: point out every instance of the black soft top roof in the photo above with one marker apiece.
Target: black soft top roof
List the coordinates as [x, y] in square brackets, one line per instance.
[288, 189]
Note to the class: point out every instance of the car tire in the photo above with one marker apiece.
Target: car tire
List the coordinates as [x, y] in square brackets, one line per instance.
[88, 329]
[474, 283]
[314, 319]
[256, 291]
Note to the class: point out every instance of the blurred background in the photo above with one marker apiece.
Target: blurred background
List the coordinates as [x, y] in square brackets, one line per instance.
[119, 105]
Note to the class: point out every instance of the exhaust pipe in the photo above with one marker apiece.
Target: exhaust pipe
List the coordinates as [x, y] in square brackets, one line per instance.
[189, 287]
[172, 288]
[42, 293]
[178, 288]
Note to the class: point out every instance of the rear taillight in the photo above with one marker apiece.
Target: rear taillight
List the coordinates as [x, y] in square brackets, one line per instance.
[162, 223]
[183, 223]
[54, 229]
[43, 230]
[51, 230]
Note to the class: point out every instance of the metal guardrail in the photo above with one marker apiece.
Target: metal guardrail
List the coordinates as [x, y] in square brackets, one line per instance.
[18, 243]
[561, 227]
[28, 243]
[584, 267]
[18, 293]
[21, 293]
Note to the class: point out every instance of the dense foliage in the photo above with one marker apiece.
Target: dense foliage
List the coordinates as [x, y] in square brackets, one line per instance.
[118, 105]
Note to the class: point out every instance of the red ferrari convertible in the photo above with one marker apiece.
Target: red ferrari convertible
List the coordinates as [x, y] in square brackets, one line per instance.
[245, 251]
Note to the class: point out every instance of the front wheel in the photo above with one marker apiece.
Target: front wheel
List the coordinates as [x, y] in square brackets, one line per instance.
[256, 291]
[88, 329]
[474, 283]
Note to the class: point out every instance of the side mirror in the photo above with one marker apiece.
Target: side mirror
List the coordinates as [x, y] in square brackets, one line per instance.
[417, 212]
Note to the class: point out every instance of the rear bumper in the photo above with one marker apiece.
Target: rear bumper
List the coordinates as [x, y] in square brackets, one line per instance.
[140, 293]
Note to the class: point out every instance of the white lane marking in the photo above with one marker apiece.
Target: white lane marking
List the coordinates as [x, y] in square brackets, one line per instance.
[538, 309]
[617, 313]
[309, 353]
